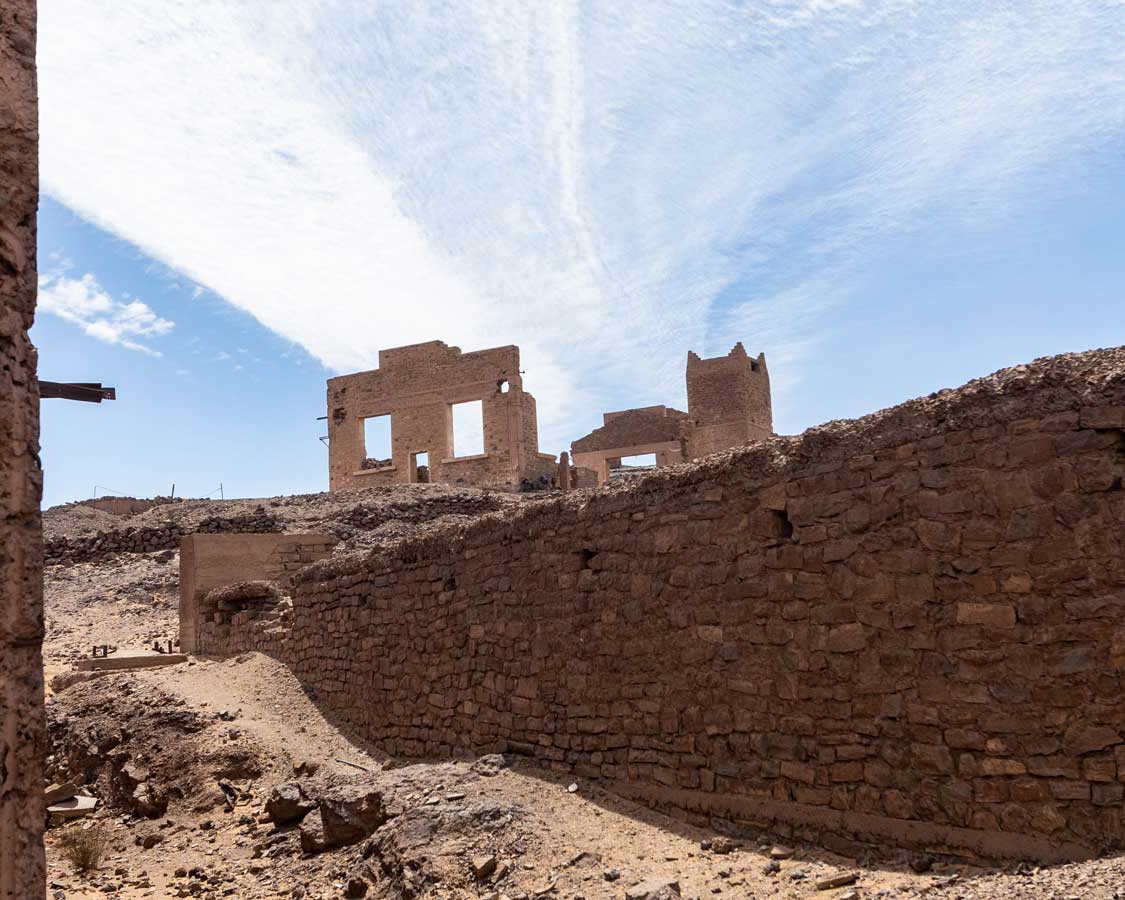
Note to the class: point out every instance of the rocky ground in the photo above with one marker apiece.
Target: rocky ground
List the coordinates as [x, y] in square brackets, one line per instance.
[223, 778]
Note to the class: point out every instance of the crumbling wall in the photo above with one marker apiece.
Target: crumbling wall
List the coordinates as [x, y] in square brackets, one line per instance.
[210, 561]
[729, 405]
[634, 427]
[22, 740]
[416, 386]
[904, 629]
[659, 430]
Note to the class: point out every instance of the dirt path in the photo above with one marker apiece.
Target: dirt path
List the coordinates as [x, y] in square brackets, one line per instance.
[584, 843]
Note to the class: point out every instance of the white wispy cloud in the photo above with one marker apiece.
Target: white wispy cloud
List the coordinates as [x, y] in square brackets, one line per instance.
[606, 186]
[84, 302]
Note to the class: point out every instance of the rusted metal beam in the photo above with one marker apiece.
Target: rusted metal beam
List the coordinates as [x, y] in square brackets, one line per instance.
[85, 391]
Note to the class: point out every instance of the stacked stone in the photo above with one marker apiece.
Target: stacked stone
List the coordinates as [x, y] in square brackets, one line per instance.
[122, 506]
[151, 538]
[425, 509]
[912, 618]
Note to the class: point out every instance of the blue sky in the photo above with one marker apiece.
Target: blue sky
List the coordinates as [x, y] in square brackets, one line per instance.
[242, 199]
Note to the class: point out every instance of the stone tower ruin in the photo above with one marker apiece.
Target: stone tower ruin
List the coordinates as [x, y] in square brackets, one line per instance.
[728, 401]
[728, 406]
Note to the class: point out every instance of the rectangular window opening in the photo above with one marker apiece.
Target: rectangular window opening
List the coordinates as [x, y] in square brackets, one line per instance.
[376, 442]
[468, 428]
[420, 464]
[630, 465]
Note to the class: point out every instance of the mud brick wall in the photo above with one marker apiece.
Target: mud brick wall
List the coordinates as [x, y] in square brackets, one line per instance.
[907, 629]
[209, 561]
[22, 739]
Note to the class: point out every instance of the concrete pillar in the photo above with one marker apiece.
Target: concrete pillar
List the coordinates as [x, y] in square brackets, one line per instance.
[22, 731]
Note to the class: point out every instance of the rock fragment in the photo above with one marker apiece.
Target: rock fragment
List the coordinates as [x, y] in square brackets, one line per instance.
[653, 889]
[835, 881]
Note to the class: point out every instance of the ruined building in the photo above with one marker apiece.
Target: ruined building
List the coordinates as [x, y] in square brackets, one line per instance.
[411, 397]
[728, 406]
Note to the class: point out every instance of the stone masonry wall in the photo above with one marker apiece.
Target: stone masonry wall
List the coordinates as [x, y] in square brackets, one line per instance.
[22, 740]
[907, 629]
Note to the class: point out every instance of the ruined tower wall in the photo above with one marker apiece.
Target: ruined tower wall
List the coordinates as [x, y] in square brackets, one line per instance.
[728, 400]
[22, 739]
[907, 629]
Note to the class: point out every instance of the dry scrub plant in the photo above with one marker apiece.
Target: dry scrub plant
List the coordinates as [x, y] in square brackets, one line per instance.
[83, 847]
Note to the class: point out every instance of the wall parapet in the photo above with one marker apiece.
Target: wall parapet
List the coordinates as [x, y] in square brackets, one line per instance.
[906, 626]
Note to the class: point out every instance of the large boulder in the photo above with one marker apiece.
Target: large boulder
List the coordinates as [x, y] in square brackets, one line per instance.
[288, 803]
[346, 816]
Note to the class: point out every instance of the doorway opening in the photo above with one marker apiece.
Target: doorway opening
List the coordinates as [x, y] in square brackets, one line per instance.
[420, 467]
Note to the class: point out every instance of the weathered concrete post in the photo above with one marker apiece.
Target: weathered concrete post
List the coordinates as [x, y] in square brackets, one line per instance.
[22, 735]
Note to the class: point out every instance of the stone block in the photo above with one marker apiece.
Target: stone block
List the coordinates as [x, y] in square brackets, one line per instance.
[993, 614]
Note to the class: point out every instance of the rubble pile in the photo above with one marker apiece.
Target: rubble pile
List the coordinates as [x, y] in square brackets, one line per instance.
[80, 532]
